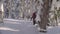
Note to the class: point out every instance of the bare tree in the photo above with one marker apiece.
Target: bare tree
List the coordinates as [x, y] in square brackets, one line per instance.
[45, 14]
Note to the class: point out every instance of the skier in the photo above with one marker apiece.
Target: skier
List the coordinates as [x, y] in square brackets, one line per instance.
[33, 17]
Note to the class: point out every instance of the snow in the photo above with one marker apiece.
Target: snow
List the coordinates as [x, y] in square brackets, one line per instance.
[16, 20]
[6, 28]
[11, 26]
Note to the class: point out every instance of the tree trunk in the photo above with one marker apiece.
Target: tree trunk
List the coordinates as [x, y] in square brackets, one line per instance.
[1, 12]
[44, 15]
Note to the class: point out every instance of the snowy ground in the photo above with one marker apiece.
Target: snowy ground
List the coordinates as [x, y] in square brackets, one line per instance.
[11, 26]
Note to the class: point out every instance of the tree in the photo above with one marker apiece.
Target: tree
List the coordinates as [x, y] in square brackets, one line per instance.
[56, 15]
[1, 12]
[45, 14]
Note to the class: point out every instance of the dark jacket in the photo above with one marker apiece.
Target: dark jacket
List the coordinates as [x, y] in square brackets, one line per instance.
[34, 15]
